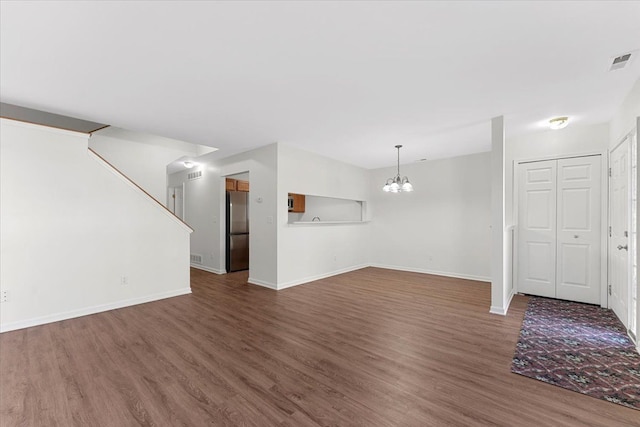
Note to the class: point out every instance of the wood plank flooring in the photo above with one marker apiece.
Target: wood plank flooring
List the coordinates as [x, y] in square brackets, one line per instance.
[372, 347]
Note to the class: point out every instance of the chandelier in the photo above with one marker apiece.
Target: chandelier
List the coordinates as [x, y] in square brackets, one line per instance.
[397, 184]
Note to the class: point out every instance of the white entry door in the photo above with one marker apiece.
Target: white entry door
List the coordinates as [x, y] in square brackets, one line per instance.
[559, 229]
[619, 196]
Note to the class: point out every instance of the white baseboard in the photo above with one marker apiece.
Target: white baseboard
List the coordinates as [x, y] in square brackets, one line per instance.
[502, 310]
[434, 272]
[498, 310]
[209, 269]
[21, 324]
[388, 267]
[320, 276]
[506, 308]
[263, 283]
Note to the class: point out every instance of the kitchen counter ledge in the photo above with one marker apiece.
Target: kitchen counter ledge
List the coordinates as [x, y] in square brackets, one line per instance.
[302, 223]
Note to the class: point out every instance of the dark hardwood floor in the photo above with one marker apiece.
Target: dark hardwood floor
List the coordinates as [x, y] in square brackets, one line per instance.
[372, 347]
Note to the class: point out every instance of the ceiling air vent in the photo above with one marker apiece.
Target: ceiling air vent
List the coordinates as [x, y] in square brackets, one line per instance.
[620, 61]
[194, 175]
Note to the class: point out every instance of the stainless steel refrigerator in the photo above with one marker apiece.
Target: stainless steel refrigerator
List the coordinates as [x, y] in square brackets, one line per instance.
[237, 231]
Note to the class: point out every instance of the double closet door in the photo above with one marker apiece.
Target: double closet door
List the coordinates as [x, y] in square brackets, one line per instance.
[559, 234]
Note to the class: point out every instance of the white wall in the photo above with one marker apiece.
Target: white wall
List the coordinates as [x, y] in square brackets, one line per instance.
[501, 280]
[625, 118]
[143, 160]
[240, 176]
[442, 227]
[309, 252]
[71, 228]
[202, 213]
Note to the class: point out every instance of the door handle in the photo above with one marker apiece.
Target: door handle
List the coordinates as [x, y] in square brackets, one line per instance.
[625, 247]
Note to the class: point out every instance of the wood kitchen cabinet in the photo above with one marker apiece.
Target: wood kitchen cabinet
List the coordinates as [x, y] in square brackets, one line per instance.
[242, 185]
[296, 203]
[236, 185]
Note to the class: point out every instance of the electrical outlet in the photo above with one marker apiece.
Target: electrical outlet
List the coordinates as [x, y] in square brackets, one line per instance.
[124, 280]
[4, 296]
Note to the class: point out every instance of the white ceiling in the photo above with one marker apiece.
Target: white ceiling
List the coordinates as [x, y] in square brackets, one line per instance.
[348, 80]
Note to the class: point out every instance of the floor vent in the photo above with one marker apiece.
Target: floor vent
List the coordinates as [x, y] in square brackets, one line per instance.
[194, 175]
[196, 259]
[620, 62]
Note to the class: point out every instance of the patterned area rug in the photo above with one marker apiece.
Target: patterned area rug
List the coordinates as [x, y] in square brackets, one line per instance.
[579, 347]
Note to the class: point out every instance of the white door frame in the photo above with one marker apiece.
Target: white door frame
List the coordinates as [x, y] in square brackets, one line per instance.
[604, 209]
[171, 191]
[637, 242]
[629, 302]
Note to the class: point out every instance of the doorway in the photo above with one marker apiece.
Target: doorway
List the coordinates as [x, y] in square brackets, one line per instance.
[237, 218]
[559, 228]
[175, 200]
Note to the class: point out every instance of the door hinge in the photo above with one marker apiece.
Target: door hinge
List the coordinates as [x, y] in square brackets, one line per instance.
[609, 288]
[609, 231]
[609, 171]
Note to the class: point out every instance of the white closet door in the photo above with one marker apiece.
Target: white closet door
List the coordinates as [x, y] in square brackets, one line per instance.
[537, 228]
[578, 229]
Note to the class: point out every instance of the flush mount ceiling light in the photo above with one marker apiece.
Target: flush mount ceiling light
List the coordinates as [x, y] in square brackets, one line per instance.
[558, 122]
[397, 184]
[188, 164]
